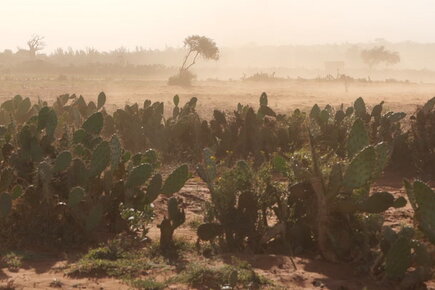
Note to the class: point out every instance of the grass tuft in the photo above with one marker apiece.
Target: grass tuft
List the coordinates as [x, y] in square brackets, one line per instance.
[198, 275]
[12, 261]
[147, 284]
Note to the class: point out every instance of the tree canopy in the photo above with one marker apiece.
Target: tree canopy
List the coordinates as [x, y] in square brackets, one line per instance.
[379, 54]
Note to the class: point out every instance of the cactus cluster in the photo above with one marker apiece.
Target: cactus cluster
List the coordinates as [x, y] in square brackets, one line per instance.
[422, 199]
[399, 253]
[323, 191]
[62, 182]
[304, 181]
[422, 139]
[244, 133]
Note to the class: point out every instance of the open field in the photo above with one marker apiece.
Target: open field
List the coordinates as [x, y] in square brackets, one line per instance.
[284, 96]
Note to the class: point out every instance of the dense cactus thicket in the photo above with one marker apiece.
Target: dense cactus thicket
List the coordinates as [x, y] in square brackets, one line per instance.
[301, 182]
[60, 184]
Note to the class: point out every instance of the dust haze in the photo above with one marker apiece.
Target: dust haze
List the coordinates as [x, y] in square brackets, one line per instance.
[292, 49]
[217, 144]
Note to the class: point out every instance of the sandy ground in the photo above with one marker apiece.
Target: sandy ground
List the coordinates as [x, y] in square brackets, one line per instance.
[283, 96]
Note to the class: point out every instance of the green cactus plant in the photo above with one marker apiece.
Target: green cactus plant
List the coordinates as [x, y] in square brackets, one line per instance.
[360, 169]
[62, 162]
[94, 217]
[100, 159]
[154, 188]
[101, 100]
[139, 175]
[94, 124]
[358, 138]
[422, 199]
[75, 196]
[176, 180]
[175, 218]
[115, 151]
[399, 254]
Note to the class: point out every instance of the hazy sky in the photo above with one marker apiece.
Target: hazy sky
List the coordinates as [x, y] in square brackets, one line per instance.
[108, 24]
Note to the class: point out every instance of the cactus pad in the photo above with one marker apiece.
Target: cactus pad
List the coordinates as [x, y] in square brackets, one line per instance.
[383, 154]
[100, 159]
[425, 214]
[62, 162]
[175, 214]
[176, 180]
[75, 196]
[139, 175]
[94, 124]
[101, 100]
[378, 202]
[360, 169]
[335, 180]
[115, 151]
[398, 258]
[358, 138]
[360, 108]
[176, 100]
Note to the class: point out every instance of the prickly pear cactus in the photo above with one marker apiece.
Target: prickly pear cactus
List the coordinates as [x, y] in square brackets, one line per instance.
[176, 180]
[383, 154]
[335, 181]
[422, 198]
[75, 196]
[358, 138]
[45, 175]
[360, 169]
[94, 217]
[62, 162]
[176, 110]
[207, 170]
[101, 100]
[398, 258]
[115, 151]
[100, 159]
[154, 188]
[175, 214]
[47, 119]
[378, 202]
[360, 108]
[94, 124]
[174, 219]
[139, 175]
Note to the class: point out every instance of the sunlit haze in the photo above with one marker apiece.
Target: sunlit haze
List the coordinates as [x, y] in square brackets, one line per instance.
[109, 24]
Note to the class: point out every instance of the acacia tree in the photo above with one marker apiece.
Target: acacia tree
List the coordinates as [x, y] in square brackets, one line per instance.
[377, 55]
[196, 46]
[35, 44]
